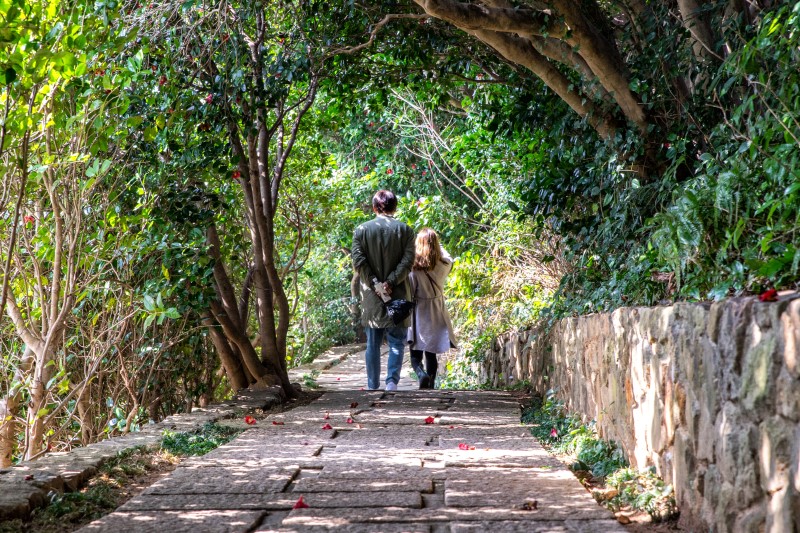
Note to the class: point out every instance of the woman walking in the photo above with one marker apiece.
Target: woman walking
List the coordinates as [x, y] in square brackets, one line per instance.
[431, 332]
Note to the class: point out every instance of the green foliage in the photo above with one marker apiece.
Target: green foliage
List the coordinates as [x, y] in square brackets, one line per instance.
[200, 442]
[310, 380]
[565, 434]
[719, 217]
[643, 491]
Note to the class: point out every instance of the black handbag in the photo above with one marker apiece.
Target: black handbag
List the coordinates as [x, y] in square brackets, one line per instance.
[399, 309]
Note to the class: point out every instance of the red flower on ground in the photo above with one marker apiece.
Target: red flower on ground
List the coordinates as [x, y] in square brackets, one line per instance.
[463, 446]
[276, 423]
[249, 420]
[553, 433]
[349, 420]
[770, 295]
[429, 420]
[327, 426]
[300, 504]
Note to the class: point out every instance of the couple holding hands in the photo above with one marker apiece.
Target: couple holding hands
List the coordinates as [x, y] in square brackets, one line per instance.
[394, 263]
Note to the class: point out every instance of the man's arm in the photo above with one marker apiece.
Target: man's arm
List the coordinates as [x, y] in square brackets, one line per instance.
[400, 273]
[360, 263]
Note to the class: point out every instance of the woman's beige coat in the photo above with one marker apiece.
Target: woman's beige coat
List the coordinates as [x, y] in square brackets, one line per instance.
[431, 329]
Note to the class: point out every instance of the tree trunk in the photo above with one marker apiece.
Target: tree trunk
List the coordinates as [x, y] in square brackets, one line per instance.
[9, 409]
[230, 360]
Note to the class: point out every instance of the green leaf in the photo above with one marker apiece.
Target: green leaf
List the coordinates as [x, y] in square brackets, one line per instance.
[8, 76]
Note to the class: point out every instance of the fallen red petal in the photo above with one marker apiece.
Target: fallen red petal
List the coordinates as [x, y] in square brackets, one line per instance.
[463, 446]
[276, 423]
[429, 420]
[300, 504]
[327, 426]
[451, 427]
[349, 420]
[249, 420]
[770, 295]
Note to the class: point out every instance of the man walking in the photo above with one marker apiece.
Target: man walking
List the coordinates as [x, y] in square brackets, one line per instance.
[383, 252]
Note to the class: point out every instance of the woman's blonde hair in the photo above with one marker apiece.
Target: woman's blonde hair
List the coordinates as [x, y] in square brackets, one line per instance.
[428, 253]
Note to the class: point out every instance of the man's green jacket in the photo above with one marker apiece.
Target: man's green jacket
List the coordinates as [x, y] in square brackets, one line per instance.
[383, 248]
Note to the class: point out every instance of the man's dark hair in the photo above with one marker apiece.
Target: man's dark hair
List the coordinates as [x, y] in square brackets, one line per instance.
[384, 202]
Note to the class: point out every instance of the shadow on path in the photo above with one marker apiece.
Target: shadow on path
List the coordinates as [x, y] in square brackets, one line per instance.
[432, 461]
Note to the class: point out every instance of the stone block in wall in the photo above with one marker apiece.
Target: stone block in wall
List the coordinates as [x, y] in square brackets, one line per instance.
[790, 325]
[751, 520]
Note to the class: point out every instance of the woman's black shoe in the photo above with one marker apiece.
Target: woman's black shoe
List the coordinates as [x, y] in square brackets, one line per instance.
[425, 381]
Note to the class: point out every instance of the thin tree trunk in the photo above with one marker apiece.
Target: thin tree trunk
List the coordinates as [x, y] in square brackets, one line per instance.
[230, 360]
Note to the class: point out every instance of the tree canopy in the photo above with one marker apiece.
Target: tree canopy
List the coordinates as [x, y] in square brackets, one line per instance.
[181, 180]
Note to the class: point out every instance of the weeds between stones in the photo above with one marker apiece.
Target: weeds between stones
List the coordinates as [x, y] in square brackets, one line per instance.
[601, 465]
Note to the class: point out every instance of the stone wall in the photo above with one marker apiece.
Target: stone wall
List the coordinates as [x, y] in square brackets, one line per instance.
[709, 394]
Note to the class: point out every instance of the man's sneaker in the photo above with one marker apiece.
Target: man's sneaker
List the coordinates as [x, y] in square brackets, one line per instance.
[391, 386]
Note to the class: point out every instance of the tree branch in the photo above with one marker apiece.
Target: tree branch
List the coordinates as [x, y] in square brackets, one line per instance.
[501, 19]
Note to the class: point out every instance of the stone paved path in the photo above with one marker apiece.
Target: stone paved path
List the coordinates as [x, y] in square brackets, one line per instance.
[475, 468]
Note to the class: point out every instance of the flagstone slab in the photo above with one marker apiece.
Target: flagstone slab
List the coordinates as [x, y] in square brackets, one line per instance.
[321, 517]
[349, 528]
[365, 470]
[377, 458]
[316, 500]
[479, 416]
[198, 502]
[339, 484]
[256, 459]
[17, 500]
[562, 526]
[513, 438]
[222, 480]
[176, 522]
[557, 492]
